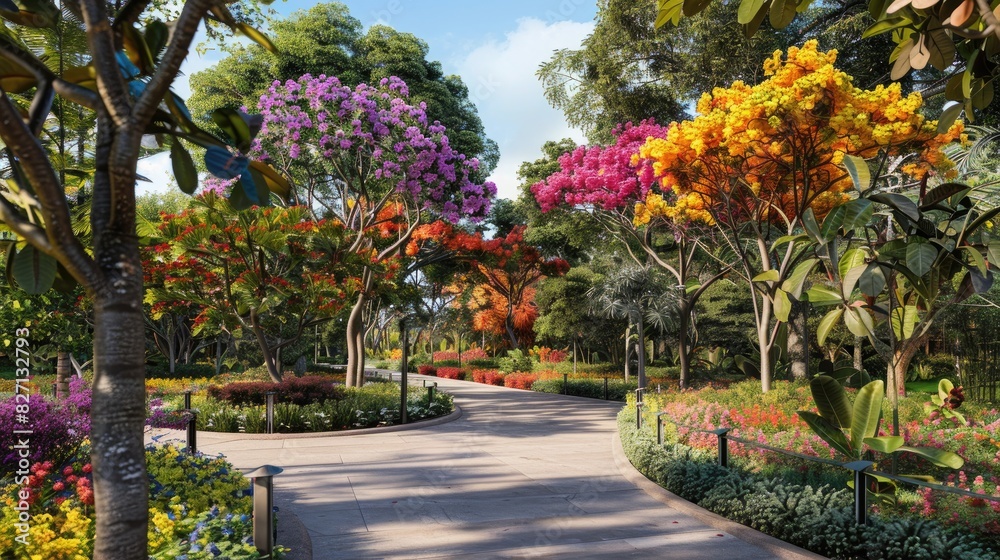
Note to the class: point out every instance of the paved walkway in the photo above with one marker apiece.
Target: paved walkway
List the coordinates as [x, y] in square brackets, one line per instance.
[519, 475]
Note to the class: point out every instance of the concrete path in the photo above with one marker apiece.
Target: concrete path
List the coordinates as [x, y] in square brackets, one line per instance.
[519, 475]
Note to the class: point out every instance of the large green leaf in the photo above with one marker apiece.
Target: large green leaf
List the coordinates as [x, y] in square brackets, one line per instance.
[257, 37]
[858, 169]
[748, 10]
[859, 321]
[796, 281]
[904, 321]
[937, 456]
[827, 323]
[945, 387]
[782, 305]
[851, 259]
[694, 7]
[767, 276]
[885, 444]
[669, 11]
[900, 203]
[831, 400]
[920, 257]
[941, 193]
[977, 258]
[232, 123]
[811, 226]
[184, 170]
[828, 432]
[782, 13]
[858, 212]
[867, 411]
[872, 282]
[33, 270]
[850, 279]
[832, 223]
[823, 295]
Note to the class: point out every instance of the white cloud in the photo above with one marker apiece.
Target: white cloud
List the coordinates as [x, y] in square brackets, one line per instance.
[502, 84]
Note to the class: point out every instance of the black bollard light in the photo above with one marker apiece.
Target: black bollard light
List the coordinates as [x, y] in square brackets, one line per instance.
[263, 509]
[192, 432]
[187, 400]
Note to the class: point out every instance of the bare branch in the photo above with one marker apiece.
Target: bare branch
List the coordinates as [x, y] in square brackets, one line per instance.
[110, 83]
[77, 94]
[170, 65]
[62, 244]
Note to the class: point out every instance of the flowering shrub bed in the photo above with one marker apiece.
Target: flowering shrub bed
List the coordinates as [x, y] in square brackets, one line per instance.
[770, 419]
[58, 427]
[451, 373]
[520, 380]
[294, 390]
[197, 509]
[467, 355]
[427, 370]
[488, 377]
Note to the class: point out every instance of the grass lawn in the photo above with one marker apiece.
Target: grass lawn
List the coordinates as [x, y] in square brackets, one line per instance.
[929, 386]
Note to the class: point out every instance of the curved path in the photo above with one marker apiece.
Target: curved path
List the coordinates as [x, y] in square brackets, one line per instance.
[519, 475]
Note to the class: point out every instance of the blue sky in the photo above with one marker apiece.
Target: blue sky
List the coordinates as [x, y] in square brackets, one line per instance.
[496, 46]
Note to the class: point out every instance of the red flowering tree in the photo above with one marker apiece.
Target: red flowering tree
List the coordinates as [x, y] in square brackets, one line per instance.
[613, 184]
[503, 273]
[274, 272]
[356, 153]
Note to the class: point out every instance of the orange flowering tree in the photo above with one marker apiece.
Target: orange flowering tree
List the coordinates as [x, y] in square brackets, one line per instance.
[761, 157]
[502, 273]
[272, 272]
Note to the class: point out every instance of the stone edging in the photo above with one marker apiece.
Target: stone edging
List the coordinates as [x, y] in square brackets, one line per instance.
[777, 547]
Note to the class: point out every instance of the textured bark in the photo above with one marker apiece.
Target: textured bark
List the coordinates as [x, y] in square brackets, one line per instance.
[355, 345]
[118, 412]
[63, 372]
[270, 360]
[798, 340]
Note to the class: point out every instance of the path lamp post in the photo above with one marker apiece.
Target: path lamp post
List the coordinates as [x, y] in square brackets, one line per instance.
[264, 529]
[402, 374]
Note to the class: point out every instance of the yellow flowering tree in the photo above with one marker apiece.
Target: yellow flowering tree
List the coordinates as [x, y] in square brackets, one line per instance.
[758, 158]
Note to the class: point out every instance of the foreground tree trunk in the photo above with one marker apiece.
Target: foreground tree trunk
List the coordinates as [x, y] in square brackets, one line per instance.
[64, 368]
[355, 344]
[118, 412]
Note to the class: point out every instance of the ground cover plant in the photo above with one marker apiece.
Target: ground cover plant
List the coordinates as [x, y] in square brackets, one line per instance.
[771, 418]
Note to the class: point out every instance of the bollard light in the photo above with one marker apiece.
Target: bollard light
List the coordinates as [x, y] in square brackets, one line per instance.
[192, 432]
[860, 490]
[723, 446]
[263, 509]
[187, 400]
[430, 391]
[270, 411]
[605, 388]
[565, 383]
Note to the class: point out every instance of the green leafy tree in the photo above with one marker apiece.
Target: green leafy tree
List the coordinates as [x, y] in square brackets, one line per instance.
[258, 271]
[126, 86]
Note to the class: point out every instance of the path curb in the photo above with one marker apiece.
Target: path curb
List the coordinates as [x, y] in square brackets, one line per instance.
[778, 547]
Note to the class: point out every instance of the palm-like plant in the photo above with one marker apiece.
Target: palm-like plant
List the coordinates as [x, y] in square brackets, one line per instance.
[638, 295]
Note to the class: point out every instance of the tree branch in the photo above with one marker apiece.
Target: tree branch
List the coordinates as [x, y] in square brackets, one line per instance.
[34, 234]
[110, 83]
[62, 244]
[184, 31]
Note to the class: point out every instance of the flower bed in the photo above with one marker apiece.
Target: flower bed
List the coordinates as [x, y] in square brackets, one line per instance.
[198, 509]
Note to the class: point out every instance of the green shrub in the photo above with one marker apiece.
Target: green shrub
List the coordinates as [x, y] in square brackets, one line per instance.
[819, 519]
[587, 387]
[181, 371]
[482, 363]
[515, 361]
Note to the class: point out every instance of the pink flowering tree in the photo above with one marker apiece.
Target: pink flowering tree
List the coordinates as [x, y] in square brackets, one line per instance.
[371, 160]
[613, 184]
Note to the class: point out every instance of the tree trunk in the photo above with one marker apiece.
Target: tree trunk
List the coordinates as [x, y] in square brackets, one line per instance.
[684, 313]
[118, 412]
[641, 348]
[905, 351]
[355, 351]
[63, 372]
[269, 361]
[509, 323]
[798, 340]
[764, 345]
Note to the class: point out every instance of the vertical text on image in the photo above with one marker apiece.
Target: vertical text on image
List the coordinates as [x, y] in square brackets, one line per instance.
[22, 433]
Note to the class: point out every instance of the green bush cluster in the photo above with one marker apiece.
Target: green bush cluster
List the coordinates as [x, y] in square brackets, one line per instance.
[181, 371]
[587, 387]
[373, 405]
[820, 519]
[515, 360]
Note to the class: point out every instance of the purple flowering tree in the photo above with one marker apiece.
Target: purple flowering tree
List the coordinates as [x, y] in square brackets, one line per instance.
[370, 159]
